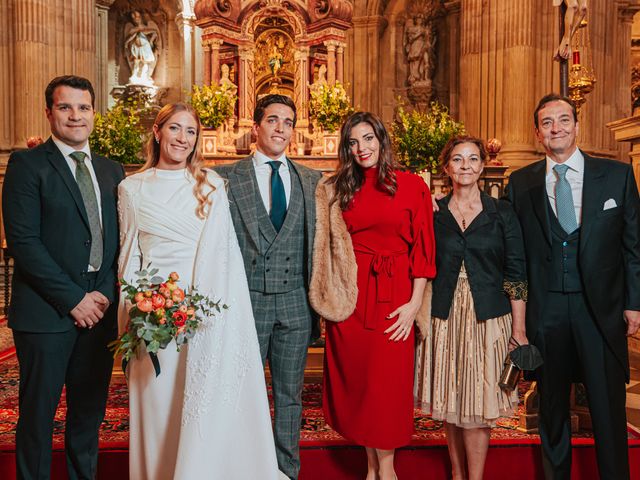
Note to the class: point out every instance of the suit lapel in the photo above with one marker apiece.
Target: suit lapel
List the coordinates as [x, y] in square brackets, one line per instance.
[242, 185]
[486, 216]
[539, 198]
[445, 218]
[592, 196]
[61, 166]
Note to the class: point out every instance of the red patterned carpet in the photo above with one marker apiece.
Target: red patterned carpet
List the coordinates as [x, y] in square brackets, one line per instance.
[325, 455]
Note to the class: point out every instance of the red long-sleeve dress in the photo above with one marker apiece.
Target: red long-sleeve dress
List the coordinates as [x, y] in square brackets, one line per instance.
[368, 380]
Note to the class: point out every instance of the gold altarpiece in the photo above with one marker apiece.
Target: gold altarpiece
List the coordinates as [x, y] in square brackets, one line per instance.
[272, 46]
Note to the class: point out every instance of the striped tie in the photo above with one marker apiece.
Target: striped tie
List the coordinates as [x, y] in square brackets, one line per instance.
[564, 200]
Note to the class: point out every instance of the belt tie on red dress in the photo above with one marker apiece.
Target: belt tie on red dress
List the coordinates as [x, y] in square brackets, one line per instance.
[382, 268]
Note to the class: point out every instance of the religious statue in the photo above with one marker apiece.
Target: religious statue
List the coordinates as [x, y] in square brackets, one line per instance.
[142, 43]
[225, 80]
[319, 78]
[419, 46]
[275, 60]
[576, 12]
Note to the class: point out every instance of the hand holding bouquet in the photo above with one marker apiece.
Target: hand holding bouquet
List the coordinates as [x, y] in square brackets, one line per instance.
[161, 312]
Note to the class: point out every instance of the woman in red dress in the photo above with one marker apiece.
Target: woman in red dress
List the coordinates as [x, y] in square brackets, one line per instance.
[369, 358]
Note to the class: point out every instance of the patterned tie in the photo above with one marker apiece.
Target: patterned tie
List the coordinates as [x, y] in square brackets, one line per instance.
[564, 200]
[83, 177]
[278, 199]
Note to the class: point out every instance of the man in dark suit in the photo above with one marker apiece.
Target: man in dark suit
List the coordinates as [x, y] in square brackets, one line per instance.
[59, 207]
[272, 203]
[580, 217]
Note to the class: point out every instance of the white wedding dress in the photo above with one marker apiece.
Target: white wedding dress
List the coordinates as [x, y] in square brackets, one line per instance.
[206, 416]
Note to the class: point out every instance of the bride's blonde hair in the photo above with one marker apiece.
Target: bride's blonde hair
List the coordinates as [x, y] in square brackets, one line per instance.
[194, 160]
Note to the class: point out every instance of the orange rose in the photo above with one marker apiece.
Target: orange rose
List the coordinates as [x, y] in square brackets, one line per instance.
[158, 301]
[168, 303]
[145, 305]
[165, 292]
[174, 276]
[177, 295]
[191, 312]
[179, 319]
[138, 296]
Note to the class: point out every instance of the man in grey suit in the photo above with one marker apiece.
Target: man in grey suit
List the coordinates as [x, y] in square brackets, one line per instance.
[272, 201]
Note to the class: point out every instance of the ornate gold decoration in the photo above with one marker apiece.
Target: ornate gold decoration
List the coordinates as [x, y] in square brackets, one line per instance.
[515, 290]
[274, 54]
[581, 77]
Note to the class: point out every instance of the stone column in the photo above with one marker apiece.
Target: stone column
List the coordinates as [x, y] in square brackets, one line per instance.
[247, 85]
[340, 62]
[367, 64]
[215, 59]
[301, 57]
[207, 63]
[101, 85]
[331, 61]
[7, 110]
[489, 104]
[186, 26]
[31, 68]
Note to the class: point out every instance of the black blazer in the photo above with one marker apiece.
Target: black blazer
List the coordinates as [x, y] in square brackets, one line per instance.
[609, 250]
[493, 254]
[49, 238]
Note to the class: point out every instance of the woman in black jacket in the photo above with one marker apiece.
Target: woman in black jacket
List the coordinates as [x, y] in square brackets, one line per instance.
[477, 309]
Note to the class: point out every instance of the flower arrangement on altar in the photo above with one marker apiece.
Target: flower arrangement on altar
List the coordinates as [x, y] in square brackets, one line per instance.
[118, 133]
[161, 312]
[214, 104]
[329, 106]
[420, 136]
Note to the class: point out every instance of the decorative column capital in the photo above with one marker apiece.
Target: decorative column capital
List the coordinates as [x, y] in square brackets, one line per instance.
[216, 43]
[104, 3]
[301, 53]
[183, 20]
[332, 45]
[246, 52]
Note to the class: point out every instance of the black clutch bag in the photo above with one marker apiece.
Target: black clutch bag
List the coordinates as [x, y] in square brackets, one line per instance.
[523, 357]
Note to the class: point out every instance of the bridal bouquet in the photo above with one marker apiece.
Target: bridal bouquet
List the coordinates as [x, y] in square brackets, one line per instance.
[161, 312]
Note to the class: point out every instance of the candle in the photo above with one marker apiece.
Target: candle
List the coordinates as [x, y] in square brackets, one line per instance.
[576, 57]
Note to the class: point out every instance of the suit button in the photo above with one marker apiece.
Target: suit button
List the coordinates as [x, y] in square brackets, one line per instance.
[286, 271]
[268, 270]
[564, 244]
[285, 282]
[83, 273]
[254, 262]
[87, 243]
[287, 259]
[268, 258]
[548, 259]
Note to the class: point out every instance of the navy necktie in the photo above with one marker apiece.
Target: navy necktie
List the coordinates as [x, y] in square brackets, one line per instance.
[278, 198]
[564, 200]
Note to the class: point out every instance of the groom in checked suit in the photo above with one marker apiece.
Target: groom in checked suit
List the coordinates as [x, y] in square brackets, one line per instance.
[60, 220]
[272, 203]
[580, 218]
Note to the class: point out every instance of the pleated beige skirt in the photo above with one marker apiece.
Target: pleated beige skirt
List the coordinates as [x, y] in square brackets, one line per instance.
[458, 367]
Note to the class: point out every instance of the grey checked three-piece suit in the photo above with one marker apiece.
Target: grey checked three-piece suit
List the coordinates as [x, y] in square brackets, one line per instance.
[278, 267]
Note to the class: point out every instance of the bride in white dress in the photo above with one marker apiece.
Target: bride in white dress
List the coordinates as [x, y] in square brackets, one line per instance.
[206, 416]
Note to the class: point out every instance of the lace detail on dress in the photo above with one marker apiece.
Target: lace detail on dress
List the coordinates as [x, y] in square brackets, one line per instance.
[515, 290]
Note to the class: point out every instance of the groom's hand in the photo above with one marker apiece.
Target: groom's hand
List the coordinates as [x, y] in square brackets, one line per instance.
[88, 312]
[632, 317]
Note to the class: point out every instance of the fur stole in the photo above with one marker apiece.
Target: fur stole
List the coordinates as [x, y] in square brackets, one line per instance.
[333, 291]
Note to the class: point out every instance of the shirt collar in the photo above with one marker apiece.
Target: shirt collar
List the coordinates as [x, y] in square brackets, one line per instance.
[67, 150]
[575, 162]
[260, 159]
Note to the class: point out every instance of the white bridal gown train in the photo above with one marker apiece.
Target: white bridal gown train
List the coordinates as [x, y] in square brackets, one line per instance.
[206, 416]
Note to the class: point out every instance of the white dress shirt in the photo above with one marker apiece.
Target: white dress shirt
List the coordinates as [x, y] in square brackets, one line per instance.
[263, 175]
[575, 177]
[66, 151]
